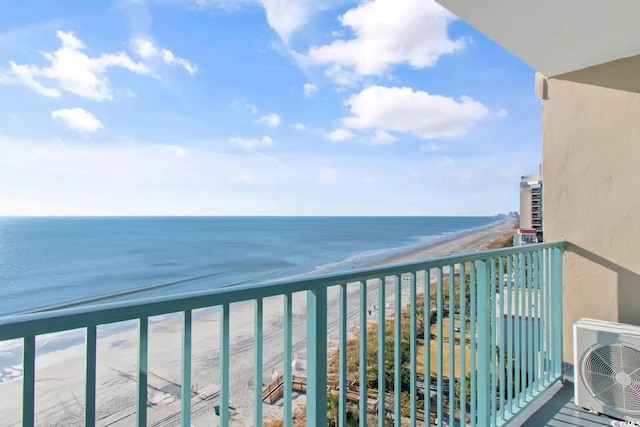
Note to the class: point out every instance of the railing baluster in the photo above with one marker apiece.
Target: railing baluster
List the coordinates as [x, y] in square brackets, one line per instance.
[413, 396]
[530, 321]
[28, 380]
[257, 379]
[288, 359]
[452, 333]
[440, 345]
[516, 327]
[363, 354]
[224, 365]
[381, 356]
[544, 326]
[397, 361]
[143, 349]
[463, 345]
[90, 377]
[186, 368]
[523, 333]
[493, 372]
[547, 317]
[541, 333]
[536, 319]
[317, 356]
[556, 303]
[501, 334]
[484, 330]
[509, 327]
[473, 330]
[427, 347]
[342, 351]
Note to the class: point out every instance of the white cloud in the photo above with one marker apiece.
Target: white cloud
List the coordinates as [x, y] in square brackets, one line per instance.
[241, 105]
[285, 17]
[72, 70]
[299, 126]
[368, 179]
[387, 33]
[502, 113]
[250, 143]
[272, 120]
[401, 109]
[430, 147]
[145, 49]
[446, 161]
[176, 150]
[309, 89]
[245, 178]
[288, 16]
[327, 176]
[25, 74]
[383, 137]
[339, 135]
[78, 119]
[131, 177]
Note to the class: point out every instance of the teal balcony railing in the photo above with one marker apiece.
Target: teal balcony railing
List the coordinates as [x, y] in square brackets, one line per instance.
[483, 333]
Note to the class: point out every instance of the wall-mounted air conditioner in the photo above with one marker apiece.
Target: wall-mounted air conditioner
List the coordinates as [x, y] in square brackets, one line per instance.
[607, 368]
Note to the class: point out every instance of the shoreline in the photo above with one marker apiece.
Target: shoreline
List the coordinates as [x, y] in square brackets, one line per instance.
[473, 240]
[60, 373]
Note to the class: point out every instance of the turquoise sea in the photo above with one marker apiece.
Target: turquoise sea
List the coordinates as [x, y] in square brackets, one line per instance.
[50, 263]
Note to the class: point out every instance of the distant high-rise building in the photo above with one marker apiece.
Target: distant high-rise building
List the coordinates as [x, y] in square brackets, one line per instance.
[530, 230]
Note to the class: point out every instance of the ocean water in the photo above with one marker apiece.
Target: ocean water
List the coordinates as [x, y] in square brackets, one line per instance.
[55, 262]
[50, 263]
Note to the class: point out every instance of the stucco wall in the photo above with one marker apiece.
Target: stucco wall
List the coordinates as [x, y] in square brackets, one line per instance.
[525, 207]
[591, 167]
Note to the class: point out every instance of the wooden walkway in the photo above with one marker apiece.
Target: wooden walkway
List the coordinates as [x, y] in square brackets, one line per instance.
[275, 391]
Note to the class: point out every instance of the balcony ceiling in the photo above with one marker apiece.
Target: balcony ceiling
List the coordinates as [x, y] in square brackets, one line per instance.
[556, 36]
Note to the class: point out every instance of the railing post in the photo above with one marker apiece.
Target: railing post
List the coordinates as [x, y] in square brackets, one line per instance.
[143, 348]
[484, 311]
[186, 368]
[28, 381]
[90, 377]
[363, 354]
[556, 304]
[343, 356]
[224, 365]
[257, 379]
[317, 356]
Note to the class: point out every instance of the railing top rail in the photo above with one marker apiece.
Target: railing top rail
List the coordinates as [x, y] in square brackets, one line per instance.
[79, 317]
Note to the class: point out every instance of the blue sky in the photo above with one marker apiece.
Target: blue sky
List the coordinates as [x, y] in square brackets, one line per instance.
[258, 107]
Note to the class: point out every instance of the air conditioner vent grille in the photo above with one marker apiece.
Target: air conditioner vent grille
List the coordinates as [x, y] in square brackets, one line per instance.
[612, 374]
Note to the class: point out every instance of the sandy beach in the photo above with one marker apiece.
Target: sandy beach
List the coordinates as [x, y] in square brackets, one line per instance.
[60, 374]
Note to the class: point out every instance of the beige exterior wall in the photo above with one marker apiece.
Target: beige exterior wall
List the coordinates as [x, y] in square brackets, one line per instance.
[591, 166]
[525, 207]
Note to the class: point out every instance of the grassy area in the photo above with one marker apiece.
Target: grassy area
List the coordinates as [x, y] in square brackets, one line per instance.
[504, 241]
[353, 346]
[446, 360]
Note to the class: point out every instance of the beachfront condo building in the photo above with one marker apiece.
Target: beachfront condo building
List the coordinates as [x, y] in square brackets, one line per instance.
[530, 229]
[587, 57]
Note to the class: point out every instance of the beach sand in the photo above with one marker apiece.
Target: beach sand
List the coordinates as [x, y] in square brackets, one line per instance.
[60, 374]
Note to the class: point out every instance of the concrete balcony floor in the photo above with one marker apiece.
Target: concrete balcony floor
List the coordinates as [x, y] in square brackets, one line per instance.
[560, 411]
